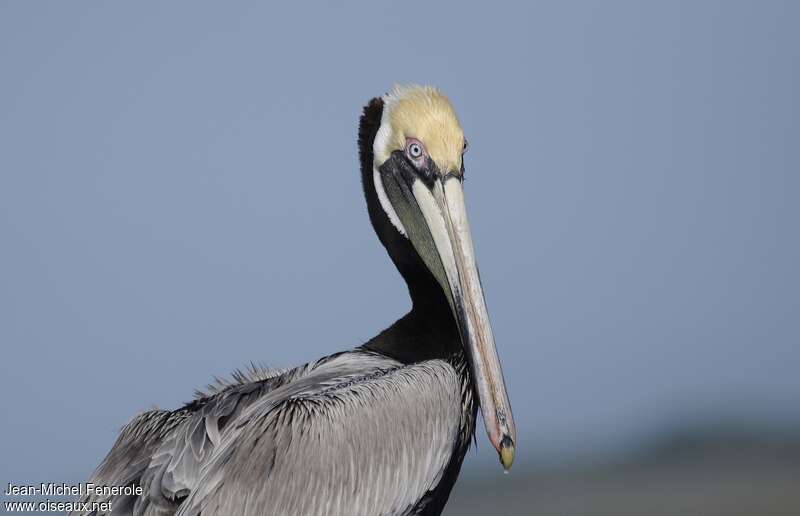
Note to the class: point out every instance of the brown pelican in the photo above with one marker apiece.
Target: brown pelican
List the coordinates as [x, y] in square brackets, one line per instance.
[378, 430]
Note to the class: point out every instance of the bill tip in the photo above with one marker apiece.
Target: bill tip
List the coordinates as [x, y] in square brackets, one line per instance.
[506, 452]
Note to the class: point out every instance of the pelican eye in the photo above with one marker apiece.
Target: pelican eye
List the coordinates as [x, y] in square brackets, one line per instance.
[414, 149]
[466, 146]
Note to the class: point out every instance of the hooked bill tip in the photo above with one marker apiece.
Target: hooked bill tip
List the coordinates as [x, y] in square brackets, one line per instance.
[506, 452]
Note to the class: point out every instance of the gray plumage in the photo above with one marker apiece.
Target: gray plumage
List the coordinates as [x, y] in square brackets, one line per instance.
[263, 443]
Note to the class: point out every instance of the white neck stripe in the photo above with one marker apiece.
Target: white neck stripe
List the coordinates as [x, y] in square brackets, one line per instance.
[385, 204]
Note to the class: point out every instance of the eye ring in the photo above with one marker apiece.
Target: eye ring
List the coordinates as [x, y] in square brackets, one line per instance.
[414, 149]
[466, 146]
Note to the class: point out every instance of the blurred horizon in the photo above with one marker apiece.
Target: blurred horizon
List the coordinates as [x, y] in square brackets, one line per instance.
[180, 196]
[709, 470]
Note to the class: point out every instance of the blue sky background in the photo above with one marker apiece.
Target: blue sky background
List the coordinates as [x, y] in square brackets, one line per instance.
[179, 195]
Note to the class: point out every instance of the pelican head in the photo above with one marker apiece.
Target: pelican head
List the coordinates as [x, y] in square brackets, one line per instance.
[417, 172]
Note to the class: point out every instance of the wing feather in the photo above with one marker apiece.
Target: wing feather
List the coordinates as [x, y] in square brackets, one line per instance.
[355, 433]
[375, 445]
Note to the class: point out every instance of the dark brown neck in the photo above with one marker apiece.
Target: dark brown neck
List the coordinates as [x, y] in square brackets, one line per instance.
[418, 336]
[429, 330]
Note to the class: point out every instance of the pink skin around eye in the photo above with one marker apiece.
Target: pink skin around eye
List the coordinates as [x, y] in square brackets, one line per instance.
[422, 160]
